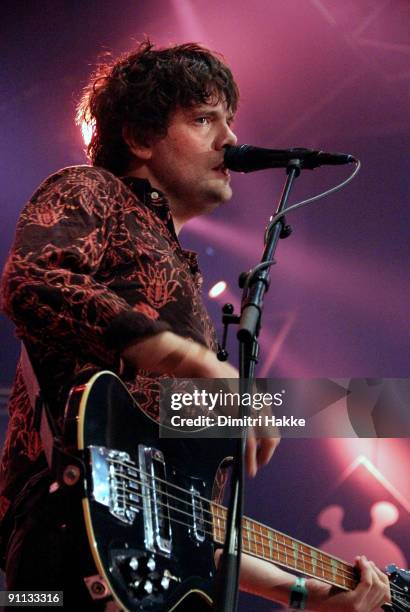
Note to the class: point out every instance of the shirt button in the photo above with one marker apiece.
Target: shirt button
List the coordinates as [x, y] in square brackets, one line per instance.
[154, 195]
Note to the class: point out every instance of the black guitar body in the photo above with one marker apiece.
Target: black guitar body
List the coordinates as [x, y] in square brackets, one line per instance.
[146, 501]
[146, 505]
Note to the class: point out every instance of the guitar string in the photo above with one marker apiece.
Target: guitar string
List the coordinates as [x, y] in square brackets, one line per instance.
[393, 587]
[250, 550]
[349, 571]
[322, 562]
[186, 491]
[248, 538]
[396, 605]
[399, 607]
[319, 562]
[220, 506]
[398, 591]
[157, 478]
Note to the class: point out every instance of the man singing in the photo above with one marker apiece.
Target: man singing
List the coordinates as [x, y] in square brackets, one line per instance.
[97, 279]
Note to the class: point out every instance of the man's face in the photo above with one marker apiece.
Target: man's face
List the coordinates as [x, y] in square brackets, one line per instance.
[187, 164]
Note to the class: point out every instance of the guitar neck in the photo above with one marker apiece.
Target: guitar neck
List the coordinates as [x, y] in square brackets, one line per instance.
[273, 546]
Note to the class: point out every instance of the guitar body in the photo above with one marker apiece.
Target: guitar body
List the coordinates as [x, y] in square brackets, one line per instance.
[146, 501]
[148, 515]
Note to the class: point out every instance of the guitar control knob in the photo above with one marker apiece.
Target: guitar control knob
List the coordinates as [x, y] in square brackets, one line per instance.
[133, 563]
[148, 587]
[151, 565]
[164, 583]
[136, 583]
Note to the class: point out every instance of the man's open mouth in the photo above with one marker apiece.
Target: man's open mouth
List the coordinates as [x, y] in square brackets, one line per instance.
[222, 168]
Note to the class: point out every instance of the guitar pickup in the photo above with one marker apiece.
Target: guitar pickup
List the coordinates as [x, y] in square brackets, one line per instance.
[157, 522]
[198, 522]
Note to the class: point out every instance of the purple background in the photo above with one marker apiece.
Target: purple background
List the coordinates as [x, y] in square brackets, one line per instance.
[319, 73]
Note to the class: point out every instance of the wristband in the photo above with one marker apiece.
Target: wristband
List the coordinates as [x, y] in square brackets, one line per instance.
[298, 594]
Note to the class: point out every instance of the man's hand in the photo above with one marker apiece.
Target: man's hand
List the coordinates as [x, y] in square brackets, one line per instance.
[370, 594]
[168, 353]
[268, 580]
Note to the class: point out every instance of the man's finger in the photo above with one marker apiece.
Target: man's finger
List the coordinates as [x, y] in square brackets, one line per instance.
[385, 582]
[366, 578]
[267, 447]
[250, 456]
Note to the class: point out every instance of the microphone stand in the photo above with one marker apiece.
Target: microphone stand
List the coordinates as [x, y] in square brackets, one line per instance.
[254, 284]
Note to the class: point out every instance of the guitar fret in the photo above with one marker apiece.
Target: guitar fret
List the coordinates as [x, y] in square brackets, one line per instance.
[263, 537]
[333, 563]
[250, 533]
[273, 546]
[221, 530]
[305, 554]
[322, 568]
[282, 549]
[259, 542]
[270, 543]
[217, 525]
[295, 553]
[246, 541]
[275, 538]
[254, 537]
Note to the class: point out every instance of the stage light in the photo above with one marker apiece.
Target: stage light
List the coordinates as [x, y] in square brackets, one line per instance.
[87, 131]
[372, 469]
[217, 289]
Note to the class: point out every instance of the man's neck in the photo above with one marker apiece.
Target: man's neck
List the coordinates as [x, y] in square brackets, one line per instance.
[179, 219]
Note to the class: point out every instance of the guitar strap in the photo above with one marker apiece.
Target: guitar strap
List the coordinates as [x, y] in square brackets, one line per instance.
[43, 419]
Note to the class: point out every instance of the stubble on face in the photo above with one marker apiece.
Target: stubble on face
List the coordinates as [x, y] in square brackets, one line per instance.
[187, 163]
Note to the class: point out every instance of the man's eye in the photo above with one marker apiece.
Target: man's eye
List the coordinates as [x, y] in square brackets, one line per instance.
[202, 120]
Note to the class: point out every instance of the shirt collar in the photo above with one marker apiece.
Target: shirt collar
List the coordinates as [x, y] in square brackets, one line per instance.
[145, 193]
[158, 203]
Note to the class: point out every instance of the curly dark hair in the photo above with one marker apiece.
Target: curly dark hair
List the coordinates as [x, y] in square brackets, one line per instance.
[142, 89]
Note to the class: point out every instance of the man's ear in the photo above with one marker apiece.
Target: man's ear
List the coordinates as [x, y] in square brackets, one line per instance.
[141, 151]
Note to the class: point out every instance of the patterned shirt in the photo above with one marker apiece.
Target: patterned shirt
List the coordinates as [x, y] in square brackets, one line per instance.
[96, 265]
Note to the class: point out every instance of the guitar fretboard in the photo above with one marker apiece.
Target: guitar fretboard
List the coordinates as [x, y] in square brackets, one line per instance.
[266, 543]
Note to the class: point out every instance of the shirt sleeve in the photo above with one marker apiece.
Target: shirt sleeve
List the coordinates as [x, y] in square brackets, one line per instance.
[51, 286]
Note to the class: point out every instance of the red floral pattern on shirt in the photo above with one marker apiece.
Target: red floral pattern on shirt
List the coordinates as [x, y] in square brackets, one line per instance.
[93, 268]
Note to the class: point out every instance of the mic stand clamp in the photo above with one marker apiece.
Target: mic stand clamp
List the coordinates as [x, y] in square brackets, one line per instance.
[254, 284]
[286, 229]
[228, 318]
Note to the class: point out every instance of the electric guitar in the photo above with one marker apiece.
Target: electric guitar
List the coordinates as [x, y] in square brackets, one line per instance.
[148, 514]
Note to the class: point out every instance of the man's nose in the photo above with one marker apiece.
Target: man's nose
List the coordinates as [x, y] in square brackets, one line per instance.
[231, 138]
[228, 138]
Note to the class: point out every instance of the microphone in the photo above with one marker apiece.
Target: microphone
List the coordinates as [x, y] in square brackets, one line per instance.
[246, 158]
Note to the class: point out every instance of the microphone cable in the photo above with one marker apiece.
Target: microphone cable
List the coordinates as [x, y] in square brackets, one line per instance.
[315, 198]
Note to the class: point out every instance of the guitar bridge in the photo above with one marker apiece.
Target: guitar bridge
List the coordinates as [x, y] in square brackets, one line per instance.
[115, 482]
[157, 523]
